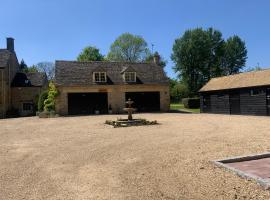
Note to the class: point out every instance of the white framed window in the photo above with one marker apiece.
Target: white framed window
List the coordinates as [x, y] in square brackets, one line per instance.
[99, 77]
[130, 76]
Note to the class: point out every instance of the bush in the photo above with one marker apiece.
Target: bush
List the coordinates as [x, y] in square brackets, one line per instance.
[42, 97]
[178, 91]
[191, 102]
[49, 103]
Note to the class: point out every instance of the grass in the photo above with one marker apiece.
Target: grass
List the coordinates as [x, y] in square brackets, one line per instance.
[180, 106]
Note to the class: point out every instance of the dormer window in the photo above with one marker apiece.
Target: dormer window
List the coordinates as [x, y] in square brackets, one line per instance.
[130, 76]
[99, 77]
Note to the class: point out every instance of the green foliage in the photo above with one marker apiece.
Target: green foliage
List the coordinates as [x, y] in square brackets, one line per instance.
[90, 53]
[191, 102]
[128, 47]
[178, 90]
[42, 97]
[150, 58]
[49, 103]
[33, 68]
[200, 55]
[235, 55]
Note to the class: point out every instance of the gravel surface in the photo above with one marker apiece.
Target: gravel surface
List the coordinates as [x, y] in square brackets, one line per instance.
[82, 158]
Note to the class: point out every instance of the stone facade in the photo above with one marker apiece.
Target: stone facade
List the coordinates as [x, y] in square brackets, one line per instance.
[116, 95]
[11, 96]
[25, 95]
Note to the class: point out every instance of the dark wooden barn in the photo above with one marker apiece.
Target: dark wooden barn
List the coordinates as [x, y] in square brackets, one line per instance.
[244, 94]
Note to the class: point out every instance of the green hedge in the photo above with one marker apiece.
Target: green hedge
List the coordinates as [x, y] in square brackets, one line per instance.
[42, 97]
[191, 102]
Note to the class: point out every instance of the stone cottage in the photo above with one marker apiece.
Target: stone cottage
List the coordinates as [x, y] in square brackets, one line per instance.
[87, 87]
[18, 90]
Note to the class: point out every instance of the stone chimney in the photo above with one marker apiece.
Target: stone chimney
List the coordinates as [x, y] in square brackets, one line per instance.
[10, 44]
[156, 58]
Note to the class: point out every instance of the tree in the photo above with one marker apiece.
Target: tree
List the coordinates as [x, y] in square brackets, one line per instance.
[235, 55]
[90, 53]
[128, 47]
[150, 58]
[23, 65]
[200, 55]
[48, 68]
[178, 91]
[32, 68]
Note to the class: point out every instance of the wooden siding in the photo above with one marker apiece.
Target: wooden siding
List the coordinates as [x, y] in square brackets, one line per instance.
[252, 105]
[220, 104]
[249, 104]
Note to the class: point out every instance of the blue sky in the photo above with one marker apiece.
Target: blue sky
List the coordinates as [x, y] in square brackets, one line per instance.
[49, 30]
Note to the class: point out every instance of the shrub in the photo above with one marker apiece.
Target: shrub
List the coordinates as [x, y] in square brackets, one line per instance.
[42, 97]
[49, 103]
[191, 102]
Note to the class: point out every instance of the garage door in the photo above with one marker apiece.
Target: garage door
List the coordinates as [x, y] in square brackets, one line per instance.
[87, 103]
[145, 101]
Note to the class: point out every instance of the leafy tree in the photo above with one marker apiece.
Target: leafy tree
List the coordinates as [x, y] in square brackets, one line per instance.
[128, 47]
[200, 55]
[23, 65]
[150, 58]
[90, 53]
[32, 68]
[235, 55]
[178, 90]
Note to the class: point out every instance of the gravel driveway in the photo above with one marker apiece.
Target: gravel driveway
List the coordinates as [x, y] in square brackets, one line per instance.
[81, 158]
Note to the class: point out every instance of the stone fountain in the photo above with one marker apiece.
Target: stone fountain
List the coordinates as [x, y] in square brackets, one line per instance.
[130, 121]
[129, 109]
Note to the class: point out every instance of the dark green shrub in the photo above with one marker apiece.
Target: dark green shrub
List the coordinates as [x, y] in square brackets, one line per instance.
[191, 102]
[42, 97]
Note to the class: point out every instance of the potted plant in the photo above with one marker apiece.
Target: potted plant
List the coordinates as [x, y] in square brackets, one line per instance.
[110, 109]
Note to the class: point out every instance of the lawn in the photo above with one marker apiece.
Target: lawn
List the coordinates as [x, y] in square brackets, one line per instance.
[178, 106]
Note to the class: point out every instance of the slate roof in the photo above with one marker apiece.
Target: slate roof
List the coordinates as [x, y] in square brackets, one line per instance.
[242, 80]
[32, 79]
[37, 78]
[73, 73]
[4, 57]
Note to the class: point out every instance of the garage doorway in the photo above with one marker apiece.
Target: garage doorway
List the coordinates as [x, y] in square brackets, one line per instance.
[145, 101]
[87, 103]
[235, 103]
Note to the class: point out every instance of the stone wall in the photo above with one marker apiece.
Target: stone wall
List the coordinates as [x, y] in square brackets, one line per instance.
[22, 95]
[116, 95]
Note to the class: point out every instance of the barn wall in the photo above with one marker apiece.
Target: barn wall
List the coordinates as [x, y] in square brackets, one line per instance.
[220, 104]
[252, 105]
[249, 105]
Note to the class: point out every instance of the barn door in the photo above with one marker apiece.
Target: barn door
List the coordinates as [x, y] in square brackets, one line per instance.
[235, 103]
[268, 100]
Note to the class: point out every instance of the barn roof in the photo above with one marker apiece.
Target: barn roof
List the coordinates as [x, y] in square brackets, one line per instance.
[73, 73]
[242, 80]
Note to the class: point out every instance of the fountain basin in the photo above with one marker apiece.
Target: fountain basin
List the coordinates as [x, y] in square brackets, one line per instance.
[127, 123]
